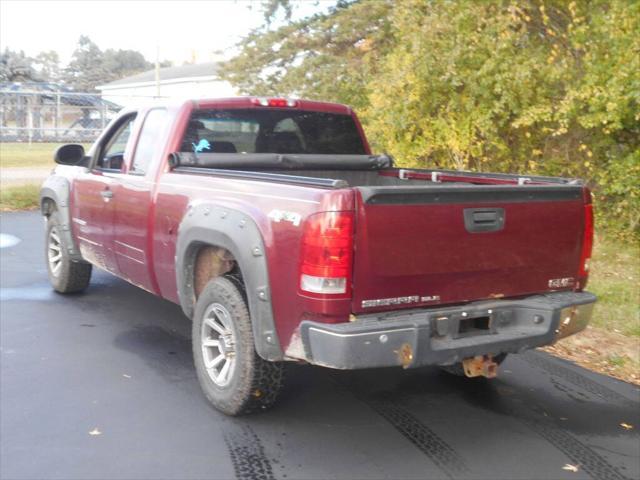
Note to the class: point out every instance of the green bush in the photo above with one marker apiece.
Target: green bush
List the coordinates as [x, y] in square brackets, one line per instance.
[531, 86]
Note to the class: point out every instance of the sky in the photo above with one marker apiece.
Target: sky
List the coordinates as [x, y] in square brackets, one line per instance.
[181, 30]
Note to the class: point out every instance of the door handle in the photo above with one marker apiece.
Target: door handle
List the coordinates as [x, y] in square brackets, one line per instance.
[106, 194]
[484, 219]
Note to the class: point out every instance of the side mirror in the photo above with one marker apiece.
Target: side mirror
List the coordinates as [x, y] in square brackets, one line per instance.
[71, 154]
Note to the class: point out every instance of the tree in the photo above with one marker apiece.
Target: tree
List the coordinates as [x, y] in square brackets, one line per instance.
[529, 86]
[270, 9]
[16, 67]
[122, 63]
[329, 55]
[90, 66]
[542, 87]
[48, 65]
[86, 69]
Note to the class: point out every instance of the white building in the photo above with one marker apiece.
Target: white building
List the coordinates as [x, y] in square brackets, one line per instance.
[187, 81]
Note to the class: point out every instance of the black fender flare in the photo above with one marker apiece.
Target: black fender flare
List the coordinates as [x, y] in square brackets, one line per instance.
[56, 188]
[215, 225]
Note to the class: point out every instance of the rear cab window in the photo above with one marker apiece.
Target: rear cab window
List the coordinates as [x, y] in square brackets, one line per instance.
[272, 131]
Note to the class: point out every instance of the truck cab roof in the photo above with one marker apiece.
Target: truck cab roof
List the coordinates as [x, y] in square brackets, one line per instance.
[273, 102]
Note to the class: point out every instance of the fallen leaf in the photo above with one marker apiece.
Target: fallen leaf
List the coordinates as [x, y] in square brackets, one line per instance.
[626, 426]
[95, 431]
[570, 468]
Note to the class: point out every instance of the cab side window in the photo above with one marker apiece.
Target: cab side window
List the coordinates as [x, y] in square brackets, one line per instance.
[150, 141]
[112, 155]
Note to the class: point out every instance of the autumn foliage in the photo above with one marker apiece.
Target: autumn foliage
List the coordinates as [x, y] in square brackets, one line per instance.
[540, 87]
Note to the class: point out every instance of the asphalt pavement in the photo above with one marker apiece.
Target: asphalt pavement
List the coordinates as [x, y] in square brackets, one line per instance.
[102, 385]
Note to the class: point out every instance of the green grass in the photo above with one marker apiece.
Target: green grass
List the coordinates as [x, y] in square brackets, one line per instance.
[28, 156]
[617, 360]
[20, 197]
[615, 279]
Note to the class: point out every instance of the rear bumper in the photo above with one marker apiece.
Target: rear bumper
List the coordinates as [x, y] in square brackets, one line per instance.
[444, 336]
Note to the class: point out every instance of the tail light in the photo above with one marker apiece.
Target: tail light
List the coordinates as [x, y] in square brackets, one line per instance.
[587, 240]
[327, 254]
[274, 102]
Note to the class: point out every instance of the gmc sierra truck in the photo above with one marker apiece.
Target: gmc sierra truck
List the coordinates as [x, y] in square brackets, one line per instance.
[283, 238]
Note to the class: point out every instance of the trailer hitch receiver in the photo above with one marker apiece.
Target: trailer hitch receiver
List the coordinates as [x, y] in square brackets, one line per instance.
[480, 366]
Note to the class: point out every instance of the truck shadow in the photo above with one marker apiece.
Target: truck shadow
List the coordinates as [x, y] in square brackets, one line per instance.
[158, 332]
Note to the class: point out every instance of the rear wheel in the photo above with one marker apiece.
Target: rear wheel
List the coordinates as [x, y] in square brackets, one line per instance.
[65, 275]
[233, 377]
[458, 370]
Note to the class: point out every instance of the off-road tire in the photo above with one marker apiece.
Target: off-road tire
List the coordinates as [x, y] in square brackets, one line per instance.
[71, 276]
[255, 383]
[458, 370]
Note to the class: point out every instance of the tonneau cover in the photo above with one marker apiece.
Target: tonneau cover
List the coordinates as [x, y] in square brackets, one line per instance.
[281, 161]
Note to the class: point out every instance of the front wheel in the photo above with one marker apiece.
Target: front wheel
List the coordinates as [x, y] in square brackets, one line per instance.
[65, 275]
[233, 377]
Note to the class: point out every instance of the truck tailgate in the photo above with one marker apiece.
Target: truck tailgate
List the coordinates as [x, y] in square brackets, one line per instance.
[421, 246]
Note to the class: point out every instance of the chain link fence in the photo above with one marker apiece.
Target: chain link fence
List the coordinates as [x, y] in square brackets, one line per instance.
[53, 116]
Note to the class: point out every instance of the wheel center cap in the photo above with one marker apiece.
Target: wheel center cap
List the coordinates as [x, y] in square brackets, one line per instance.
[226, 344]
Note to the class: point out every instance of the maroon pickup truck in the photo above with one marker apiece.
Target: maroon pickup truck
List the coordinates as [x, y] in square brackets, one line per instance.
[284, 238]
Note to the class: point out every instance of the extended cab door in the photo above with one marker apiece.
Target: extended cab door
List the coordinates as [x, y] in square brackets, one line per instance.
[92, 198]
[133, 202]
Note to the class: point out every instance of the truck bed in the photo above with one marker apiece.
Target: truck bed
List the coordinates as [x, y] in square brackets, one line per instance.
[437, 237]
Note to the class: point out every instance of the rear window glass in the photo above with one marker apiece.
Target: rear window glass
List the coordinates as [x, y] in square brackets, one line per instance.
[271, 131]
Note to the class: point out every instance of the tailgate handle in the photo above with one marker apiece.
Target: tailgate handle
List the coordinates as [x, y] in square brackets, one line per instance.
[483, 219]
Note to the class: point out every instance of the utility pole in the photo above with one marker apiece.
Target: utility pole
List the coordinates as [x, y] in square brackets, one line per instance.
[158, 70]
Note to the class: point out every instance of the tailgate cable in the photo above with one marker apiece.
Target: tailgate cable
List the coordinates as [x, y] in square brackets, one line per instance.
[404, 175]
[439, 177]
